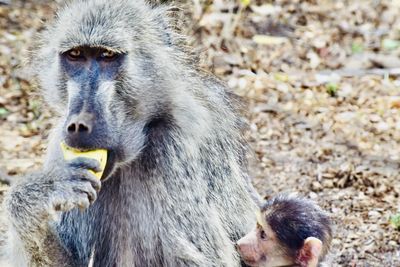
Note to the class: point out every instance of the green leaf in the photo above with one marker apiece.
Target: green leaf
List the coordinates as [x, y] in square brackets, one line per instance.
[3, 112]
[389, 44]
[35, 107]
[331, 89]
[245, 3]
[357, 48]
[395, 221]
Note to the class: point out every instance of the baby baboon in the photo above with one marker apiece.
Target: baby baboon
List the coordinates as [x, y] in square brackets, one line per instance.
[290, 231]
[174, 192]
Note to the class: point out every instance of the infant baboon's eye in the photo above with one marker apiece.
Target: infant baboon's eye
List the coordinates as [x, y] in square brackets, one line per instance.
[107, 54]
[263, 235]
[74, 54]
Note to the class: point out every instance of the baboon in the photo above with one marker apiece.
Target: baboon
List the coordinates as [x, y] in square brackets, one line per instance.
[175, 190]
[290, 231]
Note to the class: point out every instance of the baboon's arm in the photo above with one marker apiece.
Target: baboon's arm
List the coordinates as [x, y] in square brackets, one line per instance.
[33, 207]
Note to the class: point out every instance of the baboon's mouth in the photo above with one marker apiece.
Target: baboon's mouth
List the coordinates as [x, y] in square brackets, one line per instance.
[111, 159]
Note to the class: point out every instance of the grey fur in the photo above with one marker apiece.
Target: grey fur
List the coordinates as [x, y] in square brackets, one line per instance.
[179, 194]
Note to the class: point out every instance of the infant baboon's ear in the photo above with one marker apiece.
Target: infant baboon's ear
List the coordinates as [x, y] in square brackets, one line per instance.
[310, 252]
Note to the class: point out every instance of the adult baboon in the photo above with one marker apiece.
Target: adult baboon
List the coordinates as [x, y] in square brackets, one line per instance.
[175, 190]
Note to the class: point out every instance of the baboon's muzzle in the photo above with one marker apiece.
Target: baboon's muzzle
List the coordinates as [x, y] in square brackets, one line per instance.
[86, 130]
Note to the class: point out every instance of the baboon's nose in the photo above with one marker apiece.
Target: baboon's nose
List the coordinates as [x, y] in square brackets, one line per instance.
[80, 124]
[78, 127]
[85, 130]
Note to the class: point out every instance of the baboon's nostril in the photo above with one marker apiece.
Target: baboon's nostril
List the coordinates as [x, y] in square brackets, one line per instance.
[83, 128]
[71, 128]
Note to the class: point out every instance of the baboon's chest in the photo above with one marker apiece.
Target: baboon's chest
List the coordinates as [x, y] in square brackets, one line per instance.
[130, 228]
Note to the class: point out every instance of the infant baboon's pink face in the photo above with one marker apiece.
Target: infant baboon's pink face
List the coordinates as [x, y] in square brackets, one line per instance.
[260, 248]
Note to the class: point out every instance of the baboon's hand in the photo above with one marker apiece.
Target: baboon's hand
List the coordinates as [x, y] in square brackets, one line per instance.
[66, 186]
[78, 188]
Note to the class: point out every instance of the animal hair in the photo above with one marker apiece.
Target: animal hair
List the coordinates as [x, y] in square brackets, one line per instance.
[179, 193]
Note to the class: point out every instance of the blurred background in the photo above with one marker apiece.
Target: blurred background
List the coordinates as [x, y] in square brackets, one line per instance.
[321, 83]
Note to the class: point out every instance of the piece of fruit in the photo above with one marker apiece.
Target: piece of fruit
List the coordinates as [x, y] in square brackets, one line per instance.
[98, 154]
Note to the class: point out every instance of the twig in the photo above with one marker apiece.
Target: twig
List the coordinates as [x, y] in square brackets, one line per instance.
[361, 72]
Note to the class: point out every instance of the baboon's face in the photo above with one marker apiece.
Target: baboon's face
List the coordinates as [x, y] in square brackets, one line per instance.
[260, 248]
[105, 67]
[100, 109]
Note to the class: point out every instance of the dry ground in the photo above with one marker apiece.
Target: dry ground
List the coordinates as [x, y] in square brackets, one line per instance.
[322, 87]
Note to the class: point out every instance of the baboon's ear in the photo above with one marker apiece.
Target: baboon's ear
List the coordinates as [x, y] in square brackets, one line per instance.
[309, 254]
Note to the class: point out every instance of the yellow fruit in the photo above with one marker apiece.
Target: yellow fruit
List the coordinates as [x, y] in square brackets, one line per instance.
[98, 154]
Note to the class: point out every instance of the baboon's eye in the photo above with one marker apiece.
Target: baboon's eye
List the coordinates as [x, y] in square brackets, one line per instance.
[74, 54]
[108, 55]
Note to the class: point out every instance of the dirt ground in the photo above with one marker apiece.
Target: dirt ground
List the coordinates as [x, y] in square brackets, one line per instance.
[321, 80]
